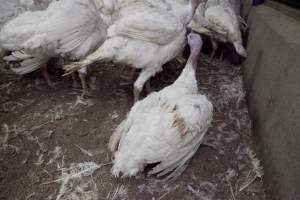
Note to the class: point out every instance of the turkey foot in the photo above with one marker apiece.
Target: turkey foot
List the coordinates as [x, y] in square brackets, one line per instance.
[85, 93]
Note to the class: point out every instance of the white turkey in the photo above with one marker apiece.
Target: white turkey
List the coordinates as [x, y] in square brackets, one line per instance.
[112, 10]
[68, 28]
[143, 38]
[12, 8]
[220, 21]
[166, 128]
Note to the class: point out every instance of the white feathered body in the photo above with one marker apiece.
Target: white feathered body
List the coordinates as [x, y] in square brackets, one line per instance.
[236, 5]
[218, 19]
[71, 28]
[169, 5]
[12, 8]
[145, 39]
[167, 127]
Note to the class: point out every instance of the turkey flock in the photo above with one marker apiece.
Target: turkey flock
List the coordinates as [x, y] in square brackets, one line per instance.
[144, 35]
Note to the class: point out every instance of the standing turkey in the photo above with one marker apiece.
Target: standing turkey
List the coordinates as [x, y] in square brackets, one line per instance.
[12, 8]
[67, 28]
[166, 128]
[220, 21]
[144, 38]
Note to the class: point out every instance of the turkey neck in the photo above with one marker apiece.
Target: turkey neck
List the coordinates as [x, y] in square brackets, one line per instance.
[187, 78]
[193, 58]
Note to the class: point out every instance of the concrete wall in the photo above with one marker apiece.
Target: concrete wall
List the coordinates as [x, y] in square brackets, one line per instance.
[272, 79]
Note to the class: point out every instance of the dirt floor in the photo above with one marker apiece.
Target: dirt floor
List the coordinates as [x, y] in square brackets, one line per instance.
[53, 146]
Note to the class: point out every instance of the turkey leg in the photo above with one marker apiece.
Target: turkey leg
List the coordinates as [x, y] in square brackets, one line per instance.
[47, 78]
[83, 75]
[143, 77]
[75, 83]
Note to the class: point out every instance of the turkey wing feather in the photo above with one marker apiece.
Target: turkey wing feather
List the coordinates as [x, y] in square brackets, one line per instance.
[149, 25]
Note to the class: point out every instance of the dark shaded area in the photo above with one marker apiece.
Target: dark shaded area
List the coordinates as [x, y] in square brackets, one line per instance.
[291, 3]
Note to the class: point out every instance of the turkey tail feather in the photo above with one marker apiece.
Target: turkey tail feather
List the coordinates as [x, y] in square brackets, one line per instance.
[17, 56]
[30, 65]
[116, 136]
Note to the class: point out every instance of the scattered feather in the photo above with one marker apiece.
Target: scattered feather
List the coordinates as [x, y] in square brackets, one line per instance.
[84, 151]
[77, 183]
[40, 160]
[114, 115]
[206, 191]
[118, 193]
[55, 155]
[5, 130]
[256, 171]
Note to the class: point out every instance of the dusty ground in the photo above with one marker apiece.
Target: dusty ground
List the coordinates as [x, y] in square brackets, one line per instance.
[53, 148]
